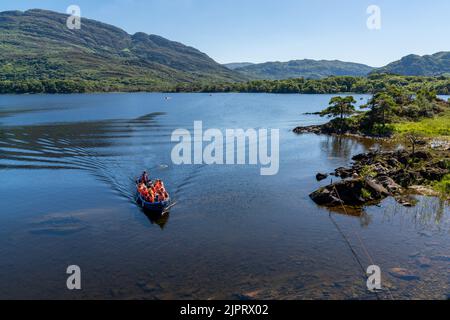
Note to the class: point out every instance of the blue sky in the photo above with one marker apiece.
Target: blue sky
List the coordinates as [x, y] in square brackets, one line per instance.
[276, 30]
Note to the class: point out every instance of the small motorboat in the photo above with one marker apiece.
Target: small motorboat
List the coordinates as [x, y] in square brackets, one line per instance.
[151, 207]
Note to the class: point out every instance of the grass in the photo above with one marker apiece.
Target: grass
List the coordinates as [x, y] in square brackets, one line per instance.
[436, 127]
[443, 186]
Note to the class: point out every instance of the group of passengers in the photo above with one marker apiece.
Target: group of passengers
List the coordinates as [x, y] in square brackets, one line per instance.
[150, 191]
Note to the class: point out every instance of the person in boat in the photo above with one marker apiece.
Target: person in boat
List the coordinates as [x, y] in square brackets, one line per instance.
[144, 178]
[151, 196]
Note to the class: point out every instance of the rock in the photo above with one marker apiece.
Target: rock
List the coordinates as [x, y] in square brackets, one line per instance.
[380, 169]
[402, 156]
[324, 197]
[406, 201]
[321, 176]
[422, 155]
[403, 274]
[344, 173]
[389, 184]
[376, 189]
[363, 157]
[347, 192]
[442, 258]
[424, 191]
[309, 129]
[386, 174]
[443, 164]
[423, 262]
[149, 287]
[433, 173]
[415, 254]
[393, 162]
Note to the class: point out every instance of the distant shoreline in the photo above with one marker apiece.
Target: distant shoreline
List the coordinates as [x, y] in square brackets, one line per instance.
[330, 85]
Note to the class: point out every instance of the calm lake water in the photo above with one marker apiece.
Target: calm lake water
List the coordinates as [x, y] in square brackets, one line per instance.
[67, 165]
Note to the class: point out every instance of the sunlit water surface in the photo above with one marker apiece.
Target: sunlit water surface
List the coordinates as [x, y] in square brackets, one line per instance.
[67, 165]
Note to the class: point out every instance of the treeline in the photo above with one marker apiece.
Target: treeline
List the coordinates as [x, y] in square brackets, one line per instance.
[330, 85]
[387, 107]
[77, 86]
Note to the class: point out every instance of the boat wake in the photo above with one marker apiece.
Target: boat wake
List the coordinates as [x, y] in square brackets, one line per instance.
[109, 150]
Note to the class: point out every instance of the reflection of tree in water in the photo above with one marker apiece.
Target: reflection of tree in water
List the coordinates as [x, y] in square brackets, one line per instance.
[364, 218]
[428, 214]
[347, 146]
[340, 147]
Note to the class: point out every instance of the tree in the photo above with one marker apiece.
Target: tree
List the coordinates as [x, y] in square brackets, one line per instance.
[340, 107]
[414, 138]
[382, 106]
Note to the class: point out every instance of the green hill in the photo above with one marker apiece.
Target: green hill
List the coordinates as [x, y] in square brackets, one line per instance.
[237, 65]
[311, 69]
[414, 65]
[37, 49]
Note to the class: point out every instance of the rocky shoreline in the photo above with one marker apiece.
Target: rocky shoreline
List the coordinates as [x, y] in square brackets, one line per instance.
[329, 129]
[375, 176]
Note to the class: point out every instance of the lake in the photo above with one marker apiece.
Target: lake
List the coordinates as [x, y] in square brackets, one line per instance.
[67, 165]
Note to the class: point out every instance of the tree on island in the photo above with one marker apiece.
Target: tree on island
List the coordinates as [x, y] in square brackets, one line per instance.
[340, 108]
[382, 107]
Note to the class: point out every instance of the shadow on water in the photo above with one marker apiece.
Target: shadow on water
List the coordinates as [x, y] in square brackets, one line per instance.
[99, 147]
[344, 147]
[158, 219]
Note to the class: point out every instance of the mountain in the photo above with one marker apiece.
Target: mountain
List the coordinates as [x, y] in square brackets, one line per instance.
[237, 65]
[37, 45]
[312, 69]
[414, 65]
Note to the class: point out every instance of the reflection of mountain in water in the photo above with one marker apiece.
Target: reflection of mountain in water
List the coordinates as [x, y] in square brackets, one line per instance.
[91, 146]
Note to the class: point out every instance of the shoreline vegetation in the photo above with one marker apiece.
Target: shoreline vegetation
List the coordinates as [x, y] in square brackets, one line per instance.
[419, 124]
[330, 85]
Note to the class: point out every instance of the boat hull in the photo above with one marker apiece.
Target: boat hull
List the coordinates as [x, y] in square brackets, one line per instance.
[157, 207]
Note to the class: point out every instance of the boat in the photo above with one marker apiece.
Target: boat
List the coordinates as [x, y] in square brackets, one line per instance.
[151, 207]
[155, 207]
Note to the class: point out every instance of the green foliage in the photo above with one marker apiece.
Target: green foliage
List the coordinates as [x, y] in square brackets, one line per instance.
[430, 65]
[443, 186]
[340, 107]
[366, 194]
[409, 86]
[381, 108]
[310, 69]
[38, 53]
[368, 172]
[436, 126]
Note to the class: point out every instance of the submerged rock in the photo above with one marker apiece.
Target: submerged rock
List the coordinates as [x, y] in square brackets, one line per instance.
[423, 262]
[403, 274]
[321, 176]
[442, 258]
